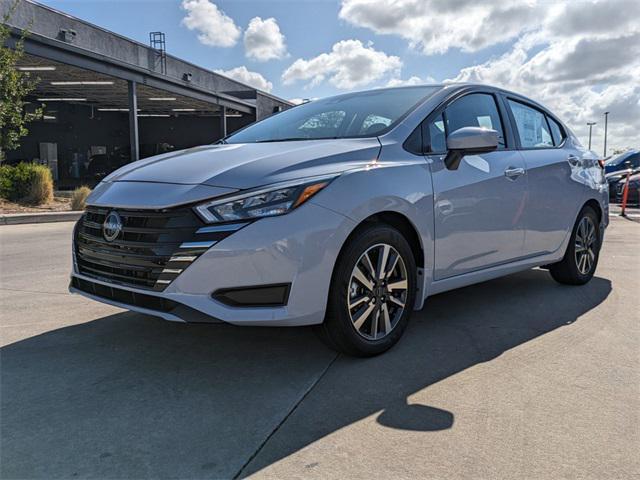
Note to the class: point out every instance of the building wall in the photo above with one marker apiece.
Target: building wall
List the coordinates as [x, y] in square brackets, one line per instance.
[265, 105]
[44, 21]
[79, 127]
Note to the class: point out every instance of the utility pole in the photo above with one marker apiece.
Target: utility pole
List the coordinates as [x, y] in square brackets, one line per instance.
[606, 118]
[591, 124]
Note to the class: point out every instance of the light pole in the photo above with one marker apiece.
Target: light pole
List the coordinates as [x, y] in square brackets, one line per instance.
[591, 124]
[606, 118]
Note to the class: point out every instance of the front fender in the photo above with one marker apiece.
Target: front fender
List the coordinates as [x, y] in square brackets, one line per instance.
[400, 187]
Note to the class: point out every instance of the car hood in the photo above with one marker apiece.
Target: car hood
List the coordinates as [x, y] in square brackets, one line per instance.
[241, 166]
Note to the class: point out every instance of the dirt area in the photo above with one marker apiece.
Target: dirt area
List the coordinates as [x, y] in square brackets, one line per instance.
[58, 204]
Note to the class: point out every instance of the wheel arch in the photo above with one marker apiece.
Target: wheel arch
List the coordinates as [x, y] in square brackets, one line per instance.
[401, 223]
[406, 227]
[595, 205]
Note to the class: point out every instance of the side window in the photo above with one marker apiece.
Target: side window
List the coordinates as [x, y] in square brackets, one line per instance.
[435, 135]
[533, 129]
[475, 110]
[556, 131]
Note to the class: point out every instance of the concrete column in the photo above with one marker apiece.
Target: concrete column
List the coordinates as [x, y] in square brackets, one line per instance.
[223, 122]
[133, 122]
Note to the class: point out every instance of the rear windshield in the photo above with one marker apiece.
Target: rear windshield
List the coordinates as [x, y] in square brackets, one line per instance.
[362, 114]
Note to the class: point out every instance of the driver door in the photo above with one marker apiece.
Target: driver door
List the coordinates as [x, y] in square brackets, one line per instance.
[478, 208]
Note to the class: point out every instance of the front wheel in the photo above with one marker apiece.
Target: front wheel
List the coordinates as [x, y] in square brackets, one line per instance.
[581, 258]
[372, 293]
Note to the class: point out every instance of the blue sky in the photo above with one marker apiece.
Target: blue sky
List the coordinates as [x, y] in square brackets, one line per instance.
[579, 57]
[310, 27]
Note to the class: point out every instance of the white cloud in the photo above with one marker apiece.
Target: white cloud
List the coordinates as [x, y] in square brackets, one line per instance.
[350, 64]
[435, 26]
[578, 73]
[579, 57]
[414, 80]
[263, 40]
[215, 28]
[253, 79]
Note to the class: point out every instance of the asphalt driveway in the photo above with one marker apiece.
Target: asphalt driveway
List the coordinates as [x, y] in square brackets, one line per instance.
[517, 377]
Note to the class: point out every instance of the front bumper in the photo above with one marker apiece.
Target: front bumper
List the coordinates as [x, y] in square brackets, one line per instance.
[299, 249]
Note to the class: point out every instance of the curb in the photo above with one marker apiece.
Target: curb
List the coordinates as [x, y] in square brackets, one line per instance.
[44, 217]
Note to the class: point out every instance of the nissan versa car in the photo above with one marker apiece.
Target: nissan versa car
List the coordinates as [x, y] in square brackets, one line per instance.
[346, 213]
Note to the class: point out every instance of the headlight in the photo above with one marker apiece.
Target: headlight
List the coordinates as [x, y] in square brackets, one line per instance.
[276, 199]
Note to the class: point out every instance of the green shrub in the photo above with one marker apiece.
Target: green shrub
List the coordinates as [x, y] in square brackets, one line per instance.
[78, 198]
[40, 186]
[6, 182]
[26, 183]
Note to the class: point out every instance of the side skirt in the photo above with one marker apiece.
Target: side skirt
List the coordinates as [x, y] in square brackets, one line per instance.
[479, 276]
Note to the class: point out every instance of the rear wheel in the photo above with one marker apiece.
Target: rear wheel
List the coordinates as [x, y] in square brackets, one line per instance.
[372, 293]
[581, 258]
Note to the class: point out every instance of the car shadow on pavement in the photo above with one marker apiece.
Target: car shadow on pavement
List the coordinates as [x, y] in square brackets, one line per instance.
[131, 396]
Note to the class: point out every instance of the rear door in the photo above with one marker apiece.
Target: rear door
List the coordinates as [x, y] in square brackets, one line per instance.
[554, 170]
[478, 208]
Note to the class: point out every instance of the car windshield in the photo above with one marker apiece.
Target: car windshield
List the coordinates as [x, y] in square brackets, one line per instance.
[363, 114]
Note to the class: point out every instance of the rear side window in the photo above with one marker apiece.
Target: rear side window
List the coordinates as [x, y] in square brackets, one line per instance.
[556, 131]
[475, 110]
[532, 126]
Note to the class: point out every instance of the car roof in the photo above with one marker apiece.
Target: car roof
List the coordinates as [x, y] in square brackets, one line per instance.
[458, 86]
[454, 87]
[622, 156]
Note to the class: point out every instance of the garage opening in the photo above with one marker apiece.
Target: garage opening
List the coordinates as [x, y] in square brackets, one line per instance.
[86, 130]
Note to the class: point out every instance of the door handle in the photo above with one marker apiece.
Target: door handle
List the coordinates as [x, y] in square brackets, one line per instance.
[512, 172]
[573, 160]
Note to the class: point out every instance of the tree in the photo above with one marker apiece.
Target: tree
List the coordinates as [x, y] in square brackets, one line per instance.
[618, 151]
[15, 85]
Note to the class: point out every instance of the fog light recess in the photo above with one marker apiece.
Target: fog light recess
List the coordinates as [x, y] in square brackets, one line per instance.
[256, 296]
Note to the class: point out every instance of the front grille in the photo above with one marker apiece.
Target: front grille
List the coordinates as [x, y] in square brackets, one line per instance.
[151, 250]
[124, 296]
[142, 300]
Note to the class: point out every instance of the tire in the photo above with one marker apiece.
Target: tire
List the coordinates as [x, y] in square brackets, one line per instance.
[355, 292]
[581, 258]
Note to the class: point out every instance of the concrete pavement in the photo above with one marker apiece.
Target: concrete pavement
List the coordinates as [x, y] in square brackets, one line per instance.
[517, 377]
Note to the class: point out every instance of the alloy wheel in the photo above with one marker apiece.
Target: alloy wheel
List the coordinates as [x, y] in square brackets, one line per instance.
[585, 245]
[377, 291]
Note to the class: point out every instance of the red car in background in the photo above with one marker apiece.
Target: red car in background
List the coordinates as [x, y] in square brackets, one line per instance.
[633, 197]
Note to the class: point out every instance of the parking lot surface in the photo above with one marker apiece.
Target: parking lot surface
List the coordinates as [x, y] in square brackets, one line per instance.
[517, 377]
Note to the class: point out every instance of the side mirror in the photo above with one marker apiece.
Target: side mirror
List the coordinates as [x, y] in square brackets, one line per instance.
[469, 141]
